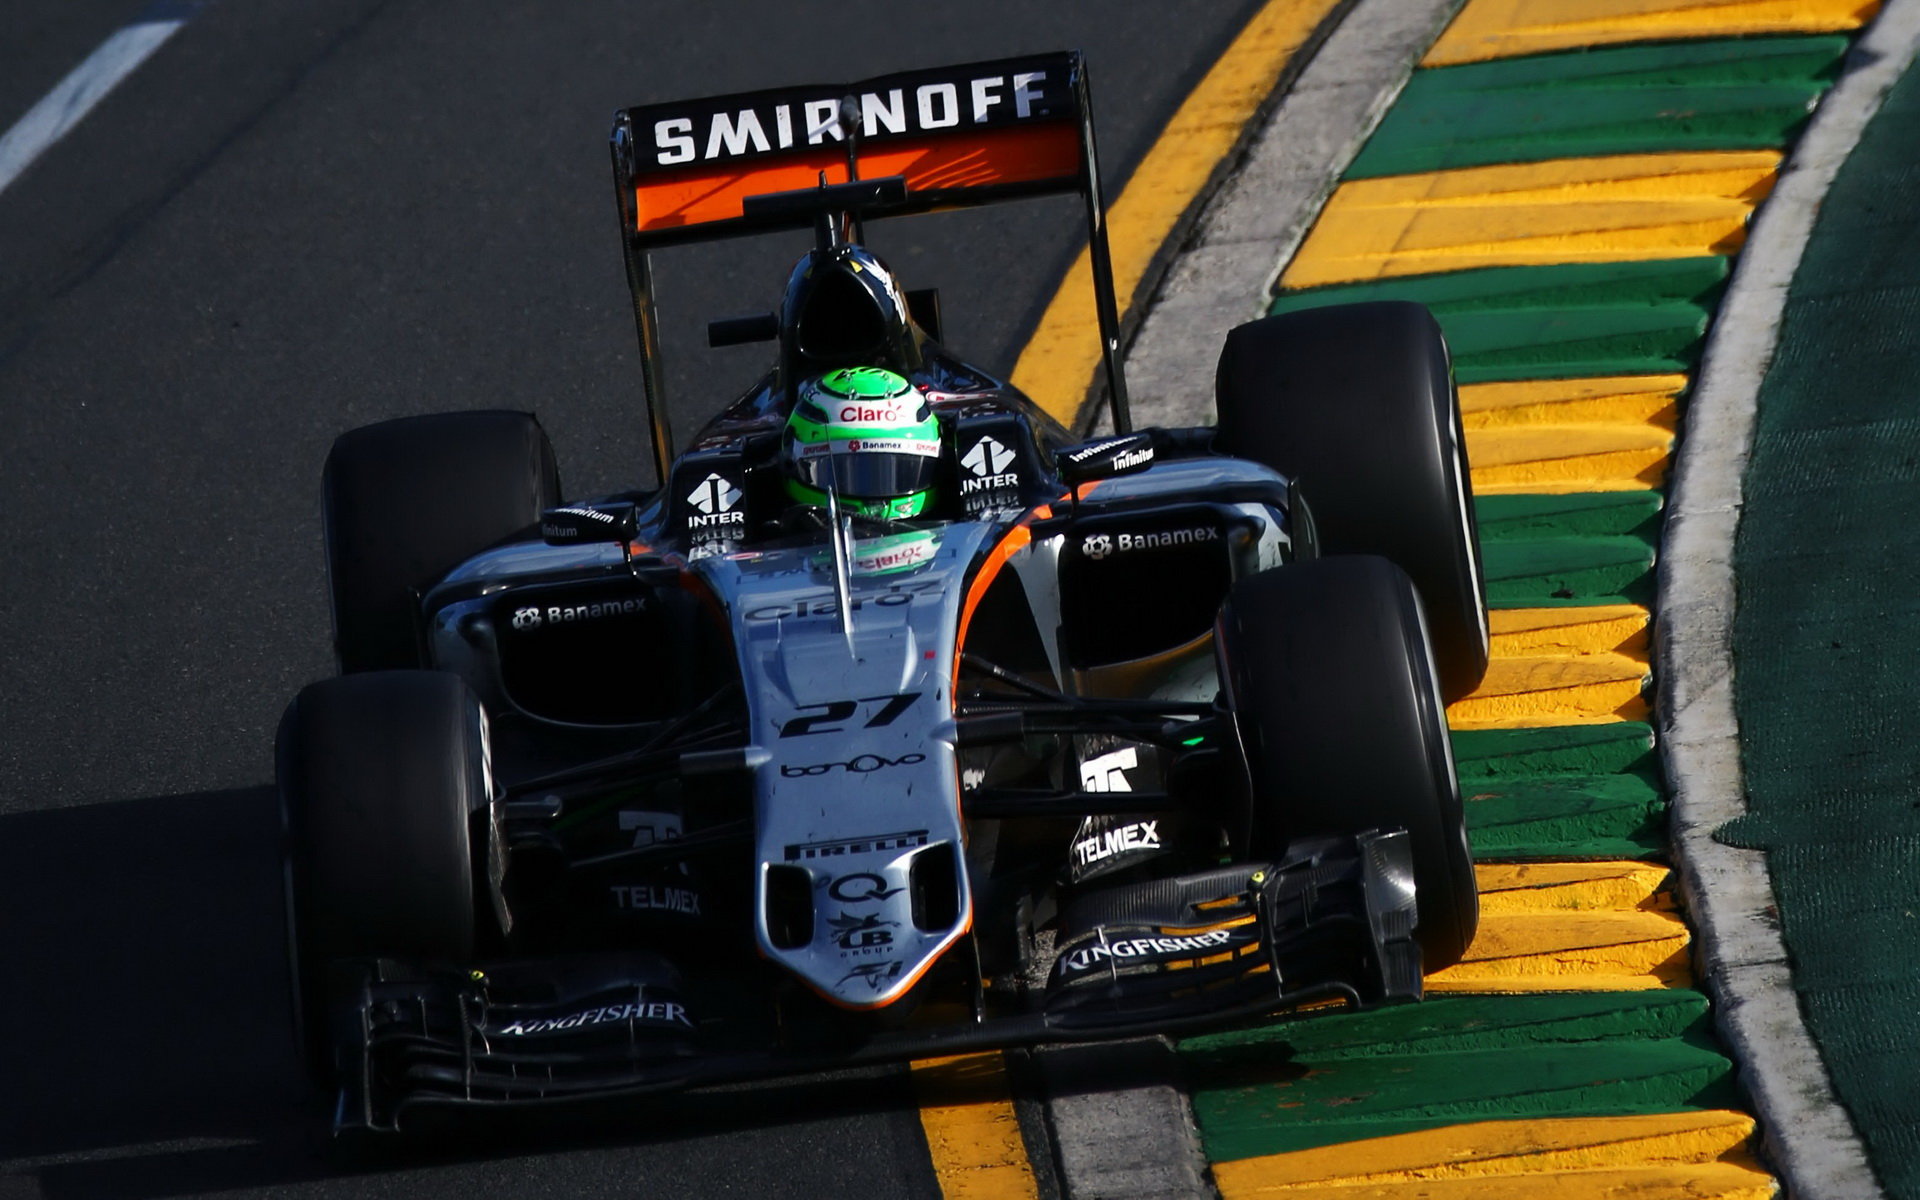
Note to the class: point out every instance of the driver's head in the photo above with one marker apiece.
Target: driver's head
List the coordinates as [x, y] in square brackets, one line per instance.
[866, 432]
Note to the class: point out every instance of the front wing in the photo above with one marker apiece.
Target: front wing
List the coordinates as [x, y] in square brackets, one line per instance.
[1332, 921]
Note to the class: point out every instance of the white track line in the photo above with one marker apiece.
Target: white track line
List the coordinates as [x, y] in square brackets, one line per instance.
[74, 97]
[1741, 956]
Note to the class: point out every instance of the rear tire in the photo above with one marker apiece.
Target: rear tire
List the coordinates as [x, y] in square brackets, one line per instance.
[408, 500]
[1328, 674]
[380, 776]
[1357, 403]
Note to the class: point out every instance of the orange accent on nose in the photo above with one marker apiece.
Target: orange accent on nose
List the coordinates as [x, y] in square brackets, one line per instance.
[1015, 540]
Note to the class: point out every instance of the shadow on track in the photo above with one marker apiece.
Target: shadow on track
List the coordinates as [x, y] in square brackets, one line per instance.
[147, 1012]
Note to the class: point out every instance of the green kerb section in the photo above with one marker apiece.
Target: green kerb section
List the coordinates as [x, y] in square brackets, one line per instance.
[1510, 755]
[1569, 551]
[1579, 791]
[1570, 791]
[1322, 1080]
[1745, 94]
[1557, 322]
[1827, 636]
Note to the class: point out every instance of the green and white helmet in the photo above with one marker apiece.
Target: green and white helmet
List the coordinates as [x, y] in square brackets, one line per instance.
[865, 431]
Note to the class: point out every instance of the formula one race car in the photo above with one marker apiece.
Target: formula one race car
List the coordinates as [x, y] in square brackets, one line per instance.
[897, 720]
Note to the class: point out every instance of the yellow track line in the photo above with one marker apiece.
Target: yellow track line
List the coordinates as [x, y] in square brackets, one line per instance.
[1613, 208]
[1506, 28]
[972, 1134]
[1059, 361]
[1695, 1154]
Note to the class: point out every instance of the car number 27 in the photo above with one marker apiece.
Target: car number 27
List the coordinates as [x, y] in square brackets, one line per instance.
[832, 716]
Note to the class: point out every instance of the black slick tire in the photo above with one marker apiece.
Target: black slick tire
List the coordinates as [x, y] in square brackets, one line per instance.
[406, 501]
[380, 777]
[1356, 402]
[1328, 674]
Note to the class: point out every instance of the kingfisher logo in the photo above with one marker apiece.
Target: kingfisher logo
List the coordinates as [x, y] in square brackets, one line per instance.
[715, 501]
[1143, 950]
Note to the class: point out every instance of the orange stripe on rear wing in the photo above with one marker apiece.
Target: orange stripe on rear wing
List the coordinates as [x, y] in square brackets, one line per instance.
[1000, 164]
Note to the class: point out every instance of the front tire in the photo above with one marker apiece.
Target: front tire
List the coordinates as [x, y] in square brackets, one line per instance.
[1332, 687]
[408, 500]
[1357, 403]
[383, 777]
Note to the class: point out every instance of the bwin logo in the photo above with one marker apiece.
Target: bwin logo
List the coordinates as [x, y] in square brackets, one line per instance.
[526, 618]
[715, 494]
[1097, 546]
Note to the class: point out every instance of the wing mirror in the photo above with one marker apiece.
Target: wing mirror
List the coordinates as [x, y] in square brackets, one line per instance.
[739, 331]
[579, 524]
[1105, 458]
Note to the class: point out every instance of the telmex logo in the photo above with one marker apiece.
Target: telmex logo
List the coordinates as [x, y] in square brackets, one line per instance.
[762, 128]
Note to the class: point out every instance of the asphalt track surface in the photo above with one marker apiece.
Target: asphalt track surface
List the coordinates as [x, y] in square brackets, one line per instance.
[294, 219]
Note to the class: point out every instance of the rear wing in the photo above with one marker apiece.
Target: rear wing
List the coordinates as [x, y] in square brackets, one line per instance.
[957, 136]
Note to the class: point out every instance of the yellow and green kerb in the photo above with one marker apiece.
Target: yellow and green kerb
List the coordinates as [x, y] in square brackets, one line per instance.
[1564, 183]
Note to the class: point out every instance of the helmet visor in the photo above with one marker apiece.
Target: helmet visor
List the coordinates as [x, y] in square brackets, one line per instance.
[869, 468]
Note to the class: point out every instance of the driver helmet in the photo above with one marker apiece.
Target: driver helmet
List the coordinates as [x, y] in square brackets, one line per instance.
[869, 435]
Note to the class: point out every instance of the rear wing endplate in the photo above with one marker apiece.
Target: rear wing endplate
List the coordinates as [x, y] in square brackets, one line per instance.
[958, 136]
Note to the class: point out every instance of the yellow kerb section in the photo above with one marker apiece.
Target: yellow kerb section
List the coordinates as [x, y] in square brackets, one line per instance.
[1701, 1155]
[1505, 28]
[1571, 927]
[1059, 361]
[1560, 666]
[1571, 435]
[1616, 208]
[973, 1135]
